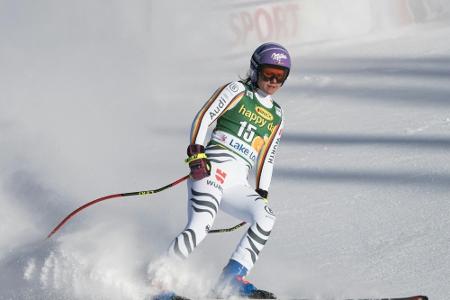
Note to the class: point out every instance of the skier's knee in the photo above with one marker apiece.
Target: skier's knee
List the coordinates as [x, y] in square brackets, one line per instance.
[266, 219]
[269, 214]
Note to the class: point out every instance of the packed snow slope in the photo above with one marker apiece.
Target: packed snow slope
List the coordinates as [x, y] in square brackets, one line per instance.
[361, 185]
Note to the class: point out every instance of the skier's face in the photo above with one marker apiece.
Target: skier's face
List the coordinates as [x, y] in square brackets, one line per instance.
[270, 79]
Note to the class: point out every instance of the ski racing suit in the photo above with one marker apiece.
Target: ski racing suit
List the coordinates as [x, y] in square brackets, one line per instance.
[246, 136]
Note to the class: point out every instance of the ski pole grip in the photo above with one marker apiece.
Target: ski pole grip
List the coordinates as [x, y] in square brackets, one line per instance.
[195, 152]
[195, 157]
[194, 149]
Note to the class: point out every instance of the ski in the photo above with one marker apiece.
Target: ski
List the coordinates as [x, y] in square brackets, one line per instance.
[166, 296]
[401, 298]
[418, 297]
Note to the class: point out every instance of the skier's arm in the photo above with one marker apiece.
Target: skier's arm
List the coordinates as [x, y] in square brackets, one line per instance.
[223, 99]
[266, 159]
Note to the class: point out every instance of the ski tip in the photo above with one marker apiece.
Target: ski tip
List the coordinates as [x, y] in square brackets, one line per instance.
[419, 297]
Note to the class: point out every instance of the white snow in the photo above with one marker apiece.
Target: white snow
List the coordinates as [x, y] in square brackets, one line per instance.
[91, 105]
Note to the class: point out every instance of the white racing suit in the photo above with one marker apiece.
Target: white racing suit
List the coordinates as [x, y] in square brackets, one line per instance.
[247, 133]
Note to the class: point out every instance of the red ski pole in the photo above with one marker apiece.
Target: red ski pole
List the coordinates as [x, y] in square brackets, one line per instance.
[141, 193]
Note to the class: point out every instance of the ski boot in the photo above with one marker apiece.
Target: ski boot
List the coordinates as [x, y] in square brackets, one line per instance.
[232, 283]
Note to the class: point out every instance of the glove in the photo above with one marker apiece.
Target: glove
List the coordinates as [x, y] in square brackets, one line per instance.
[264, 194]
[198, 162]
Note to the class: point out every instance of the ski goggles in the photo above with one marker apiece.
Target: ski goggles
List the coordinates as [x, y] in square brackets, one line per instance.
[271, 73]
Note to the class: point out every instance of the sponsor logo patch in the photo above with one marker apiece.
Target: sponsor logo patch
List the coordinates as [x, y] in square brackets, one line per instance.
[278, 111]
[234, 87]
[220, 176]
[242, 149]
[264, 113]
[278, 57]
[252, 117]
[214, 184]
[213, 112]
[269, 210]
[220, 136]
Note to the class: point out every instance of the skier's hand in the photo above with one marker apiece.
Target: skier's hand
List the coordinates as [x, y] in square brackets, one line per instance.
[263, 193]
[198, 162]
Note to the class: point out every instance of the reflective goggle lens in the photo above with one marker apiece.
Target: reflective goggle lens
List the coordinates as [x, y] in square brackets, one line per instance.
[268, 74]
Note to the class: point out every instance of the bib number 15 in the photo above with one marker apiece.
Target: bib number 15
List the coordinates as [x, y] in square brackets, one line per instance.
[247, 131]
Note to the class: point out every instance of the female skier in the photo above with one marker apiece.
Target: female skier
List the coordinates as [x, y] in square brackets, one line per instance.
[247, 133]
